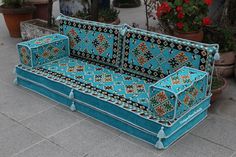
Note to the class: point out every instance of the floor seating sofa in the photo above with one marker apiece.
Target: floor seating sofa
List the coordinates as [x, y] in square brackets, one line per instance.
[151, 86]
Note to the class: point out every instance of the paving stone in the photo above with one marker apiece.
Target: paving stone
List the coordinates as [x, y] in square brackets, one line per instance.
[5, 122]
[225, 106]
[16, 138]
[82, 137]
[234, 155]
[19, 105]
[218, 130]
[51, 121]
[44, 149]
[75, 113]
[192, 146]
[120, 147]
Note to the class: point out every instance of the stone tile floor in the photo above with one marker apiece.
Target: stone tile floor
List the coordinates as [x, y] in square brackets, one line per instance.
[33, 126]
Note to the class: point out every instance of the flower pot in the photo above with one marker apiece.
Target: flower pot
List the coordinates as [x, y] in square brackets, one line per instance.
[116, 22]
[195, 36]
[226, 58]
[217, 91]
[225, 70]
[35, 28]
[235, 71]
[41, 10]
[13, 17]
[126, 3]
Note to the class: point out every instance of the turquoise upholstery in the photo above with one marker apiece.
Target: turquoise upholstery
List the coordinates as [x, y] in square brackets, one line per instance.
[175, 94]
[109, 71]
[123, 85]
[92, 40]
[155, 56]
[42, 50]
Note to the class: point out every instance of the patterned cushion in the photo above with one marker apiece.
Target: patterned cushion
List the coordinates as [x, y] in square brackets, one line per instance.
[41, 50]
[177, 93]
[92, 40]
[122, 86]
[155, 55]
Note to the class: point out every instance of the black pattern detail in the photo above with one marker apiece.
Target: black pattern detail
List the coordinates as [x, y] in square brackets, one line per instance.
[113, 60]
[162, 44]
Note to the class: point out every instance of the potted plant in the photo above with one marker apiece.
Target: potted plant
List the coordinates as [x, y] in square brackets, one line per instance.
[15, 11]
[38, 27]
[90, 10]
[104, 15]
[126, 3]
[224, 37]
[184, 18]
[217, 87]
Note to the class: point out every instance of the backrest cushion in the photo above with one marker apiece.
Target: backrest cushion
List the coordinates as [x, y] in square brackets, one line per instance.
[92, 41]
[154, 56]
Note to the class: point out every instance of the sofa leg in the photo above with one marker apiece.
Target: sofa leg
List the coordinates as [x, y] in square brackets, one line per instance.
[72, 107]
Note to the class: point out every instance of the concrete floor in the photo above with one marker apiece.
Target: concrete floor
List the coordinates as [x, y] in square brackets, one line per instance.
[33, 126]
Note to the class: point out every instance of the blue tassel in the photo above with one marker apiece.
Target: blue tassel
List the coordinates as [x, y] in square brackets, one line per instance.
[15, 81]
[71, 95]
[123, 29]
[159, 144]
[14, 71]
[217, 56]
[161, 133]
[72, 107]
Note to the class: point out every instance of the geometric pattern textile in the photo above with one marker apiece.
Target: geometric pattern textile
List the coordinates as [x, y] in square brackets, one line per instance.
[123, 85]
[42, 50]
[174, 95]
[92, 41]
[151, 56]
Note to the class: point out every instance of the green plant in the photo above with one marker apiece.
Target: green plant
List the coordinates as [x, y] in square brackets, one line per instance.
[84, 14]
[217, 82]
[108, 15]
[13, 3]
[221, 35]
[104, 15]
[184, 15]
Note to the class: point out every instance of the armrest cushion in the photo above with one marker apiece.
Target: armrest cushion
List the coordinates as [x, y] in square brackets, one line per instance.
[43, 50]
[175, 94]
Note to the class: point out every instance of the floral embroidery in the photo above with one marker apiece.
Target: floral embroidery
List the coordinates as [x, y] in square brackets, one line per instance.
[175, 80]
[186, 99]
[160, 111]
[142, 47]
[101, 44]
[181, 57]
[161, 97]
[142, 60]
[186, 78]
[142, 53]
[45, 54]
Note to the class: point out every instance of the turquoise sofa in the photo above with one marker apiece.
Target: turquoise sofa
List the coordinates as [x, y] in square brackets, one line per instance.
[107, 71]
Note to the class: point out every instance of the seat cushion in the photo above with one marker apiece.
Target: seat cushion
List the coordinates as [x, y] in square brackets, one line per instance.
[123, 85]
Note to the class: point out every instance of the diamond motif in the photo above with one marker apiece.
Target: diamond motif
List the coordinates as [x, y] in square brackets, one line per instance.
[142, 53]
[101, 44]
